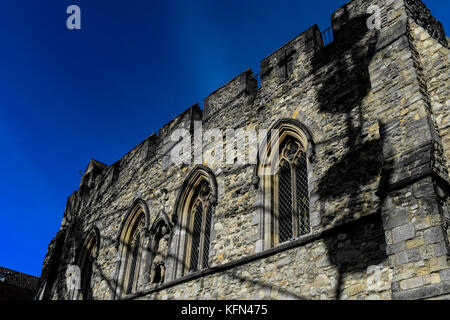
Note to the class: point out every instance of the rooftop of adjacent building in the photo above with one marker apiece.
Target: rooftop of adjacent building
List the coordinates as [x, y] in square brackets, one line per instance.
[18, 279]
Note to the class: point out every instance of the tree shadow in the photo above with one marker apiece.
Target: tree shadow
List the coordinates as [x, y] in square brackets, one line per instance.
[342, 70]
[344, 82]
[287, 294]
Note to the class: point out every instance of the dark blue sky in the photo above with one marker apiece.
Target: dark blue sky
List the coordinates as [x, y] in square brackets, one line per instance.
[69, 96]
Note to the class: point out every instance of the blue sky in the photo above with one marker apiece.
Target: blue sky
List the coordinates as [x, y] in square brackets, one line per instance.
[69, 96]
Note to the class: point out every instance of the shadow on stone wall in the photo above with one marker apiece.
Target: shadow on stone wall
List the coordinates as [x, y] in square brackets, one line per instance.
[346, 184]
[269, 289]
[343, 88]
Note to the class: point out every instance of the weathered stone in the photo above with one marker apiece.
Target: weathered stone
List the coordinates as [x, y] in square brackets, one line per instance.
[413, 255]
[433, 235]
[411, 283]
[414, 243]
[400, 218]
[403, 233]
[371, 111]
[395, 248]
[402, 257]
[440, 249]
[445, 275]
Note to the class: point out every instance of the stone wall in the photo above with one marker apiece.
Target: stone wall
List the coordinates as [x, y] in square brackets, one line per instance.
[374, 106]
[349, 262]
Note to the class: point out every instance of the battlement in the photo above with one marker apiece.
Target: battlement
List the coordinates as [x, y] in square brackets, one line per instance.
[295, 56]
[293, 61]
[423, 17]
[372, 108]
[243, 84]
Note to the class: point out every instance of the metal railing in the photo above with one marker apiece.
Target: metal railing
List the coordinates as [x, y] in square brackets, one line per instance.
[327, 36]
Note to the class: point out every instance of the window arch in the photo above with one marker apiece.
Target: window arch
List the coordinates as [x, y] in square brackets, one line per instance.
[283, 169]
[199, 229]
[86, 259]
[291, 192]
[194, 211]
[131, 248]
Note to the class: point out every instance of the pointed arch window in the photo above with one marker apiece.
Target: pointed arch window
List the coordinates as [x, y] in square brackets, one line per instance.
[133, 259]
[193, 220]
[131, 248]
[291, 196]
[199, 231]
[86, 260]
[283, 170]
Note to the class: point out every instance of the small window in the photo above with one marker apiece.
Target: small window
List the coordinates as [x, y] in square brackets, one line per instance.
[292, 192]
[86, 260]
[283, 171]
[133, 257]
[200, 229]
[131, 248]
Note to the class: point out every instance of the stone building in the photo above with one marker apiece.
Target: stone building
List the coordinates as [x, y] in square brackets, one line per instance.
[347, 196]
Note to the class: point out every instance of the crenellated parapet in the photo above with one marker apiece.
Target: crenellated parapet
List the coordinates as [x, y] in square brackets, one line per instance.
[244, 84]
[363, 193]
[423, 17]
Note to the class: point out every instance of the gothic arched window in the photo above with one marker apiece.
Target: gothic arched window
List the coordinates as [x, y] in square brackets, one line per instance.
[193, 217]
[86, 260]
[133, 257]
[291, 195]
[283, 171]
[199, 229]
[131, 248]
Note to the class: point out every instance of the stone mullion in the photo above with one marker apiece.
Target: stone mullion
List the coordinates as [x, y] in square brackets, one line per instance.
[147, 244]
[201, 247]
[127, 270]
[295, 221]
[137, 271]
[181, 248]
[192, 233]
[275, 237]
[132, 264]
[189, 240]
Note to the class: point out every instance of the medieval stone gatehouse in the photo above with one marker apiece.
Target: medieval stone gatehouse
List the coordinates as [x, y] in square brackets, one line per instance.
[348, 200]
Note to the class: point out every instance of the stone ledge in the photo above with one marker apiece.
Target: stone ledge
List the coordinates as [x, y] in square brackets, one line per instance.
[425, 292]
[331, 231]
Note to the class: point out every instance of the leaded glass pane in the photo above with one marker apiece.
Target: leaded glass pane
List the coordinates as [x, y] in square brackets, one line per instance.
[134, 258]
[196, 234]
[207, 237]
[301, 180]
[285, 202]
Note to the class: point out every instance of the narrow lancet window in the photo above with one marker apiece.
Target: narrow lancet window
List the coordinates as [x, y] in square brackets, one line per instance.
[200, 229]
[292, 192]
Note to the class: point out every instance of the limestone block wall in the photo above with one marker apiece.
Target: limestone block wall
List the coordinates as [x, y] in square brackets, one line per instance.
[373, 104]
[434, 59]
[321, 267]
